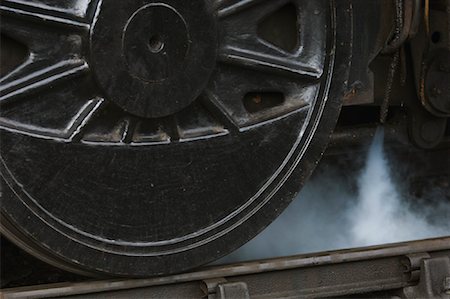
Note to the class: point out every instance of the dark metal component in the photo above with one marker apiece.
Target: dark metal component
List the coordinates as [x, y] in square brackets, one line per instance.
[235, 290]
[431, 59]
[151, 49]
[18, 268]
[220, 288]
[143, 138]
[412, 264]
[13, 54]
[425, 130]
[339, 273]
[374, 23]
[404, 17]
[209, 286]
[416, 19]
[383, 28]
[97, 181]
[389, 84]
[434, 273]
[437, 82]
[446, 285]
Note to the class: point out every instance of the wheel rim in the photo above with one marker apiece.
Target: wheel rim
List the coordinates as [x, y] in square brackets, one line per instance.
[142, 186]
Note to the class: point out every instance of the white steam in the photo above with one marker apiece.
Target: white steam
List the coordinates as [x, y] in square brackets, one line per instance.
[330, 214]
[381, 215]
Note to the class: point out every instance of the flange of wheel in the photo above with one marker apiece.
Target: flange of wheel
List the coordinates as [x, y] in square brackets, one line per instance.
[151, 137]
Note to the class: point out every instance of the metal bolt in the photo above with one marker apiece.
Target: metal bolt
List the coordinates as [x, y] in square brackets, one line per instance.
[436, 92]
[155, 44]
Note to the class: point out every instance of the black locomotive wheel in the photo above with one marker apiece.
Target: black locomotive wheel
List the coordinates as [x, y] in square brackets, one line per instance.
[149, 137]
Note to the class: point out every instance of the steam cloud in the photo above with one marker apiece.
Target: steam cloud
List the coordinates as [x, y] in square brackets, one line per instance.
[330, 214]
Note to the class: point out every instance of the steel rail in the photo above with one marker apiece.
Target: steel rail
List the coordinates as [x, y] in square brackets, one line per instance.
[381, 267]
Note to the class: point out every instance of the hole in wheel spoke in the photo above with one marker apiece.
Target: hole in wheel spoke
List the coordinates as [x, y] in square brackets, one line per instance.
[259, 101]
[281, 28]
[12, 54]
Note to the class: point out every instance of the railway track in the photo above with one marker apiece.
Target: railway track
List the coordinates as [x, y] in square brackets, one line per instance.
[147, 139]
[418, 269]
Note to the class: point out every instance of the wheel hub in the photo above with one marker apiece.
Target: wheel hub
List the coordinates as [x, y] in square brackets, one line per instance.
[151, 49]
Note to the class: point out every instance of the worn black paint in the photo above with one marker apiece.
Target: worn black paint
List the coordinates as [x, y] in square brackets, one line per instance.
[105, 184]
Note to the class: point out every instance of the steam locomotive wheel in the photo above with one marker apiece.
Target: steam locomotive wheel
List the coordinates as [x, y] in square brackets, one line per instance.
[149, 137]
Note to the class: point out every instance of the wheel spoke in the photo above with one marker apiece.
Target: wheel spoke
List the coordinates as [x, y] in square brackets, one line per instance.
[255, 99]
[251, 30]
[58, 14]
[47, 98]
[75, 131]
[129, 130]
[111, 126]
[72, 130]
[196, 122]
[227, 7]
[41, 28]
[266, 59]
[150, 132]
[25, 81]
[208, 99]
